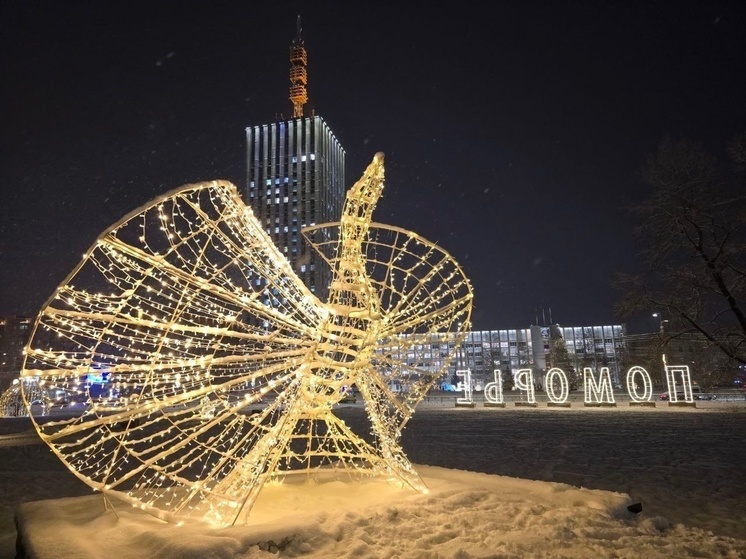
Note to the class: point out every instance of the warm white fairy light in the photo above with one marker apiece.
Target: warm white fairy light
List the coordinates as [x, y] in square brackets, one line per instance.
[466, 399]
[597, 392]
[493, 391]
[678, 375]
[201, 367]
[633, 374]
[556, 376]
[524, 382]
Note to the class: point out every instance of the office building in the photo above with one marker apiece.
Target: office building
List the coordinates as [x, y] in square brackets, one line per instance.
[296, 177]
[14, 334]
[484, 351]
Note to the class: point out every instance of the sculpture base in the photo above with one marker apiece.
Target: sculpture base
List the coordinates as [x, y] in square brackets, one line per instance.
[319, 519]
[89, 528]
[559, 404]
[465, 405]
[682, 404]
[494, 404]
[526, 404]
[642, 404]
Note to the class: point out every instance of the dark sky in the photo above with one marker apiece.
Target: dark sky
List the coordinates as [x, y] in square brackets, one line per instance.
[514, 132]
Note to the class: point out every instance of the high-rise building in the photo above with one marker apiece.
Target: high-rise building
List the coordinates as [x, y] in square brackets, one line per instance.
[296, 176]
[14, 334]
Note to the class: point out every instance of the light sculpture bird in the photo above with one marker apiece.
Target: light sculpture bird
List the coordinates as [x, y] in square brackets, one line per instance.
[195, 366]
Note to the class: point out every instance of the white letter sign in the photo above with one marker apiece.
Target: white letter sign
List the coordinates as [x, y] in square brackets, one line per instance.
[600, 392]
[682, 371]
[647, 384]
[466, 375]
[493, 391]
[564, 386]
[524, 380]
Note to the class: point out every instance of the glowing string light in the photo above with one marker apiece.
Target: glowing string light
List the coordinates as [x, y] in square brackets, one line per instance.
[556, 374]
[217, 369]
[633, 374]
[600, 392]
[466, 399]
[524, 381]
[682, 372]
[493, 391]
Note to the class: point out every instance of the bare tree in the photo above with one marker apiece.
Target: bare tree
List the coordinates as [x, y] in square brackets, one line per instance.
[713, 368]
[693, 232]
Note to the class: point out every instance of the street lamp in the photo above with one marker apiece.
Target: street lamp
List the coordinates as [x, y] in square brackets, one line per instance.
[659, 316]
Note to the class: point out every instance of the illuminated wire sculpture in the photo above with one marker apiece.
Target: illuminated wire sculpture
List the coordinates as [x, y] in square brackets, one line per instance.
[202, 367]
[12, 401]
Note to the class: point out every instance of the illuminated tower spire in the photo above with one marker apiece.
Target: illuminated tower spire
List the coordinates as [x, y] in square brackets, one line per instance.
[298, 74]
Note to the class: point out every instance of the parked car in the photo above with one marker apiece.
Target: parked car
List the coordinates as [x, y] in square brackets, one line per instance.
[697, 394]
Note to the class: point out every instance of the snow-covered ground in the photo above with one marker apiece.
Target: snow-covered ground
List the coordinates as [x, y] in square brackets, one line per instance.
[507, 483]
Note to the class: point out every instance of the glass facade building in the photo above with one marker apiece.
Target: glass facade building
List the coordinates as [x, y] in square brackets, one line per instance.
[588, 346]
[483, 351]
[296, 179]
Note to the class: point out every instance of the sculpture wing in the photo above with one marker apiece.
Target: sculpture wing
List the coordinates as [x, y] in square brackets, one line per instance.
[179, 316]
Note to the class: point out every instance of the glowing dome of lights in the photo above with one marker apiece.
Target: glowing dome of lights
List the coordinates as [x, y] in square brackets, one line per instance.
[190, 365]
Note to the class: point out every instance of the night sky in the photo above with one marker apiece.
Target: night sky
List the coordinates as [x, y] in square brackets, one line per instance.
[514, 132]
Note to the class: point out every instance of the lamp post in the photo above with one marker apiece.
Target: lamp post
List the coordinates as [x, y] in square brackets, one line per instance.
[659, 316]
